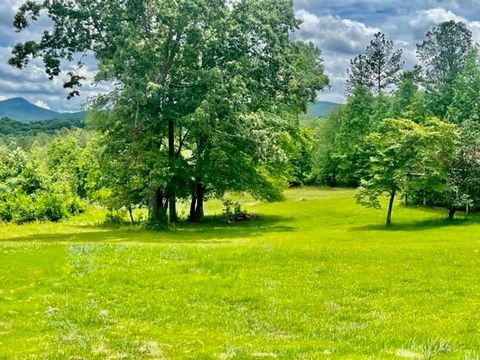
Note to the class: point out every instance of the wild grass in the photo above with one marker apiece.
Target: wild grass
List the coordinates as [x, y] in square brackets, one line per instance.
[316, 276]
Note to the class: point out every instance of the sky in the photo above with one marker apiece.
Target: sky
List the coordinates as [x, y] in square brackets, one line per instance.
[340, 28]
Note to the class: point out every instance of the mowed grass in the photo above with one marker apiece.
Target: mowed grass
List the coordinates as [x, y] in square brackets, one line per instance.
[316, 277]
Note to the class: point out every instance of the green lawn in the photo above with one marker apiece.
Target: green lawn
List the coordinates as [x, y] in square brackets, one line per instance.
[317, 276]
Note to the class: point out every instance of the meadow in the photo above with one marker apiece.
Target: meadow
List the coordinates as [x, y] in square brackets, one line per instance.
[314, 277]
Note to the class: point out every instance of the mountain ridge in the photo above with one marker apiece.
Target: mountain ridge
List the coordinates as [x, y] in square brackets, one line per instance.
[22, 110]
[321, 108]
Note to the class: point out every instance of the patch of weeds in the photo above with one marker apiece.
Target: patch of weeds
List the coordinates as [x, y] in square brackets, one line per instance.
[233, 212]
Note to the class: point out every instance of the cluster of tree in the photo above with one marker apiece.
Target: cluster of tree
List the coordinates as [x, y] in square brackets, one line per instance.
[413, 132]
[205, 94]
[12, 128]
[48, 182]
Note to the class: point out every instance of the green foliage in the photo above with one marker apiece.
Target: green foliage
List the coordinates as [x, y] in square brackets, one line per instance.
[408, 157]
[233, 212]
[203, 97]
[49, 182]
[407, 101]
[351, 148]
[12, 129]
[50, 207]
[463, 171]
[378, 68]
[324, 163]
[443, 53]
[465, 105]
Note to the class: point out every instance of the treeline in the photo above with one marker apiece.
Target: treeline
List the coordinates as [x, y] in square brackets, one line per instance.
[55, 178]
[410, 132]
[15, 134]
[13, 128]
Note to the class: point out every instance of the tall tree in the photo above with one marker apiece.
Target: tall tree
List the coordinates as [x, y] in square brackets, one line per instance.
[324, 163]
[407, 101]
[351, 149]
[378, 68]
[358, 74]
[442, 54]
[466, 90]
[182, 74]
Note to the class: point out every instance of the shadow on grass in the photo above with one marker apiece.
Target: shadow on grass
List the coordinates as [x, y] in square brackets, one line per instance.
[211, 231]
[423, 225]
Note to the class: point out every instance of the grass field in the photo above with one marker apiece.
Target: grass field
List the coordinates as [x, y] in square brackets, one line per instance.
[316, 277]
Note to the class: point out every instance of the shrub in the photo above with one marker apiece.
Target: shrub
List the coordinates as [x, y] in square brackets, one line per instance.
[50, 207]
[233, 212]
[23, 208]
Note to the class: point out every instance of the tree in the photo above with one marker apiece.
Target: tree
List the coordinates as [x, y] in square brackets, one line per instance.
[243, 145]
[464, 171]
[182, 72]
[407, 101]
[466, 90]
[324, 164]
[378, 68]
[406, 154]
[443, 53]
[359, 74]
[351, 149]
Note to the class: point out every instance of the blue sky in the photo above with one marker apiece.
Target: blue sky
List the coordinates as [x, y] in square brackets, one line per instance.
[341, 28]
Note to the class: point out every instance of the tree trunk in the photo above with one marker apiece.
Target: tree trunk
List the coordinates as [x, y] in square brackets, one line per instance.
[172, 200]
[130, 212]
[193, 204]
[199, 213]
[198, 199]
[157, 212]
[451, 213]
[390, 207]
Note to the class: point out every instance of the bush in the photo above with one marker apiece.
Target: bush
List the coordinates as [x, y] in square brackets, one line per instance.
[23, 208]
[6, 211]
[76, 206]
[50, 207]
[233, 212]
[115, 218]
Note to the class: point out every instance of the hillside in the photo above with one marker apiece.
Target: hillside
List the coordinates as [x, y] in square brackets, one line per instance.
[17, 129]
[321, 108]
[22, 110]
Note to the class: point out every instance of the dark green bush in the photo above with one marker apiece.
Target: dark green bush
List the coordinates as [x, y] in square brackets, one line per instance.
[50, 207]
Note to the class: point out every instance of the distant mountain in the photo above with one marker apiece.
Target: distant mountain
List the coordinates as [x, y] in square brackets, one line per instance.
[321, 108]
[22, 110]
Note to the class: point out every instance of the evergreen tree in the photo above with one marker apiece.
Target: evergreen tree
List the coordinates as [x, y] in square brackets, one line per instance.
[378, 68]
[442, 54]
[351, 150]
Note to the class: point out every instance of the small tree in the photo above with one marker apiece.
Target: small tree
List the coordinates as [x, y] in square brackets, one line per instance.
[405, 153]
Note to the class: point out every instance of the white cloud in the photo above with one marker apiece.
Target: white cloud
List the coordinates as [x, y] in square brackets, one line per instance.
[340, 40]
[332, 33]
[42, 104]
[424, 20]
[427, 19]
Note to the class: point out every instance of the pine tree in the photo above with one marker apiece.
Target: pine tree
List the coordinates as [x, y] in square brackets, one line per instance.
[378, 68]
